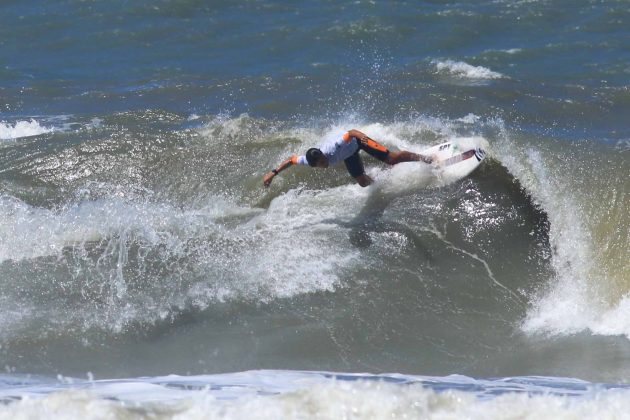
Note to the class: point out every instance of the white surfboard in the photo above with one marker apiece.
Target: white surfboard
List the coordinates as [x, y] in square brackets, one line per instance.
[458, 157]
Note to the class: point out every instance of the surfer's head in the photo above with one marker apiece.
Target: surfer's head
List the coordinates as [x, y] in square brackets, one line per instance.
[316, 158]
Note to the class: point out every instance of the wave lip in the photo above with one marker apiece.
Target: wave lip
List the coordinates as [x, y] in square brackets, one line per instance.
[21, 129]
[463, 70]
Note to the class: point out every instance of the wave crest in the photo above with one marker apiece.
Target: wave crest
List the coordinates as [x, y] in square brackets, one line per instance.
[464, 70]
[21, 129]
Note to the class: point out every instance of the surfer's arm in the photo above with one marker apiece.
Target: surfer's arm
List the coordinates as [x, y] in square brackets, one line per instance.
[268, 177]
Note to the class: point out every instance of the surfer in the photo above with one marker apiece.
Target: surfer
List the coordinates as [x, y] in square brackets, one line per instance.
[346, 149]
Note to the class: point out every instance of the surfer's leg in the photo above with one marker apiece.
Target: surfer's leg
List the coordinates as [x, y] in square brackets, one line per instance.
[374, 149]
[381, 153]
[405, 156]
[354, 164]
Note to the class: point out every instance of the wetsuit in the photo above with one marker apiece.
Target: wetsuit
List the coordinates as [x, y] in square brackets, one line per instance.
[346, 149]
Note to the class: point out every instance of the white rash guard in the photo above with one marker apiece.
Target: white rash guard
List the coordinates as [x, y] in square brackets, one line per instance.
[336, 150]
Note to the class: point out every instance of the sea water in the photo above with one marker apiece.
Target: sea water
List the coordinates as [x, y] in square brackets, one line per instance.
[137, 240]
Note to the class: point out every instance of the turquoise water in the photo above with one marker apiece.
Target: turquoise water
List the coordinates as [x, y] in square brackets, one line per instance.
[136, 239]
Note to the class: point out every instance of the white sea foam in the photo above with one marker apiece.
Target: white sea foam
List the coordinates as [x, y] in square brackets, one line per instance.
[309, 246]
[113, 227]
[295, 247]
[464, 70]
[19, 129]
[510, 51]
[28, 232]
[469, 119]
[272, 395]
[368, 400]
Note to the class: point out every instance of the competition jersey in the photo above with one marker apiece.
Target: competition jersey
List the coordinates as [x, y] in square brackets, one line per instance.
[336, 150]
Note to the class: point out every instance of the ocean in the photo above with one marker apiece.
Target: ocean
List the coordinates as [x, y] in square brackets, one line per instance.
[145, 272]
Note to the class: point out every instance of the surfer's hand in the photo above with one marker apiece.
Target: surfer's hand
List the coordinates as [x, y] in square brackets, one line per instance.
[268, 178]
[426, 159]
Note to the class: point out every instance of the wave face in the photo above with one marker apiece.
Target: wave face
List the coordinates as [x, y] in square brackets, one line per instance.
[588, 214]
[136, 238]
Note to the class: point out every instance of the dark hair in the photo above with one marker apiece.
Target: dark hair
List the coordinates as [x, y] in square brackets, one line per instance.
[313, 155]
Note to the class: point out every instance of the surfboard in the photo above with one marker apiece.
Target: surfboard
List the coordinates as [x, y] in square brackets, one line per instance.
[458, 157]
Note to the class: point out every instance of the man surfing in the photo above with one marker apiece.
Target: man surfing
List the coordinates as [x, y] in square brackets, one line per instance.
[346, 148]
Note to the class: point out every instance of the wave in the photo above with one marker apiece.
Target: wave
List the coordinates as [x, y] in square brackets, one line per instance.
[583, 191]
[278, 394]
[123, 255]
[19, 129]
[120, 255]
[116, 263]
[47, 124]
[464, 70]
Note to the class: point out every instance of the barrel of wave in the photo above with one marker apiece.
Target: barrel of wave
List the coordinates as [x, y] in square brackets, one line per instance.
[583, 188]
